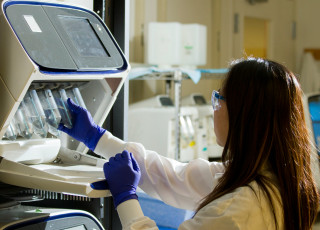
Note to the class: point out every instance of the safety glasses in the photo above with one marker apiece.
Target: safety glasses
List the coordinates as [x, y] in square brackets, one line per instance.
[215, 100]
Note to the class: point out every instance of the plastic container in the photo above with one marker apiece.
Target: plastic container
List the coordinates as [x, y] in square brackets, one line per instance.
[76, 97]
[36, 113]
[23, 121]
[33, 151]
[12, 131]
[51, 111]
[173, 43]
[163, 42]
[60, 97]
[193, 45]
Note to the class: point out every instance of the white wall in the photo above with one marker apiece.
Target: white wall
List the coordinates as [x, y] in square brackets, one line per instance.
[308, 29]
[280, 15]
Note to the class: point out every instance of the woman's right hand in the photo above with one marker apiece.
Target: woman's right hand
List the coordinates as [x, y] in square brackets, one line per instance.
[83, 128]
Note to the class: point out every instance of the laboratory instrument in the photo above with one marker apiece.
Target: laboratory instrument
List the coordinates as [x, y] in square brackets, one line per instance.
[206, 138]
[152, 123]
[51, 51]
[27, 217]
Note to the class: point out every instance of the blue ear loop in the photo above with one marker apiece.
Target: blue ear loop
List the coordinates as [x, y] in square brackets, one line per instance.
[215, 97]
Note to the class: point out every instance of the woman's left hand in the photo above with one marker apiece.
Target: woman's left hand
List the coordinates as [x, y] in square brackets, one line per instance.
[123, 174]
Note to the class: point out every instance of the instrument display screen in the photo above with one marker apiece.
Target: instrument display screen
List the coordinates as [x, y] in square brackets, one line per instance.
[83, 37]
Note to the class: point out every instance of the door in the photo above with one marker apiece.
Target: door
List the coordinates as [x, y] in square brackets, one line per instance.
[255, 40]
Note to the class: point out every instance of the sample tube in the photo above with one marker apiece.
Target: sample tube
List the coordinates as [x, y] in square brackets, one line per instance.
[37, 114]
[23, 121]
[60, 96]
[190, 128]
[76, 97]
[51, 111]
[12, 131]
[184, 135]
[211, 137]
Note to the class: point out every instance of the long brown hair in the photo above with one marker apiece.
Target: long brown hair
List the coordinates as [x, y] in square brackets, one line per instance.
[267, 126]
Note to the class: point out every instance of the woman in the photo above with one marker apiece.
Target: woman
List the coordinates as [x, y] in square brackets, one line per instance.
[265, 180]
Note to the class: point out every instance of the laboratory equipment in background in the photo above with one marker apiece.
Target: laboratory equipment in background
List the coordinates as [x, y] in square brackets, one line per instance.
[152, 123]
[312, 115]
[51, 51]
[27, 217]
[173, 43]
[206, 137]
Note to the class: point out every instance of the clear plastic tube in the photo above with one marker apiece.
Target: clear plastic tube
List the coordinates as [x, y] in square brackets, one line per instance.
[190, 127]
[75, 95]
[210, 130]
[37, 114]
[51, 111]
[23, 121]
[184, 132]
[60, 97]
[12, 131]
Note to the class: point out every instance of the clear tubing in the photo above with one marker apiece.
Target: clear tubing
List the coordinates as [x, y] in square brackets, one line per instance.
[23, 121]
[60, 97]
[51, 111]
[37, 114]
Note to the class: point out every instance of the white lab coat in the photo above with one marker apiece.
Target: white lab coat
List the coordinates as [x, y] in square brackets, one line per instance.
[183, 185]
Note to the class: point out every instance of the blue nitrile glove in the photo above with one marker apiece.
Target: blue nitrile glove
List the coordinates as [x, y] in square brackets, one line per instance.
[123, 174]
[83, 128]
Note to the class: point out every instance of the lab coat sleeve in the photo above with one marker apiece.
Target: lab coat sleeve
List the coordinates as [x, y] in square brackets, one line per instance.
[131, 216]
[181, 185]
